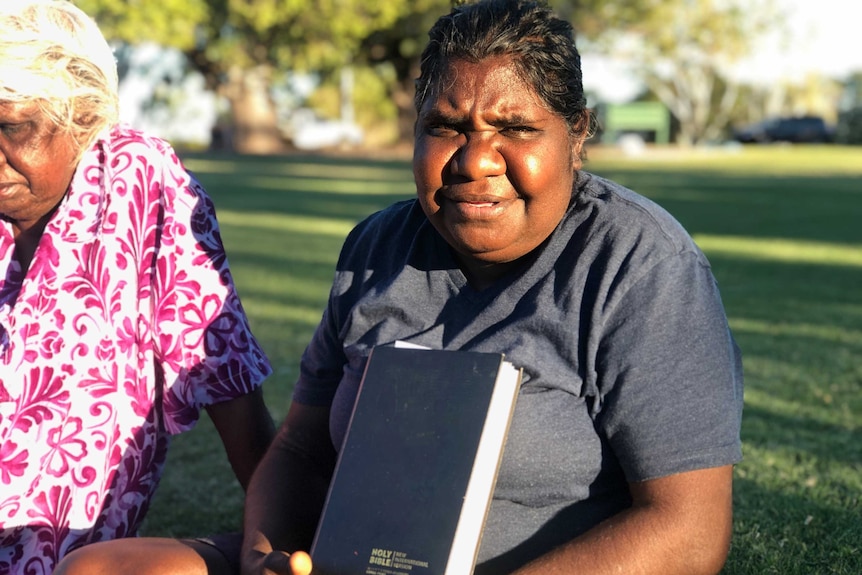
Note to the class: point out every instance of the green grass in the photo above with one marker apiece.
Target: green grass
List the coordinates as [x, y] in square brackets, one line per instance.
[782, 227]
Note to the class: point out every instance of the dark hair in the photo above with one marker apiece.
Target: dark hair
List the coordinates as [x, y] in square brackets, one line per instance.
[541, 44]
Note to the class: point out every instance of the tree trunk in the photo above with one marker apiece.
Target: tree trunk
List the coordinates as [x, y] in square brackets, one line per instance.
[403, 98]
[255, 125]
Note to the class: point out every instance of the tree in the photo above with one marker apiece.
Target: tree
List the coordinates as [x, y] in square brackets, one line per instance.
[593, 19]
[399, 46]
[682, 49]
[241, 46]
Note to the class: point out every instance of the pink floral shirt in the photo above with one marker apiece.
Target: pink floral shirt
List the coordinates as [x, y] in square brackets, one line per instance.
[126, 323]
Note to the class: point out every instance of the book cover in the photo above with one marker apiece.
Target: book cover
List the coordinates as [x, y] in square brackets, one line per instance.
[416, 472]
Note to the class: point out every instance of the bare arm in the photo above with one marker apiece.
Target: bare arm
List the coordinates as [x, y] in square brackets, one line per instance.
[288, 490]
[677, 524]
[246, 430]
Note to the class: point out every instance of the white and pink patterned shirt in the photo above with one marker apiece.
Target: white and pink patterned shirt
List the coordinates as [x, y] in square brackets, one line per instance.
[124, 326]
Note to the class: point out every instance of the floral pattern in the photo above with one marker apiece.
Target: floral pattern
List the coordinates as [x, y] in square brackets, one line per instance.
[125, 325]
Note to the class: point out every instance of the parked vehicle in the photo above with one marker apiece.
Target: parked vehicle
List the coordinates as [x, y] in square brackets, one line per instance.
[803, 129]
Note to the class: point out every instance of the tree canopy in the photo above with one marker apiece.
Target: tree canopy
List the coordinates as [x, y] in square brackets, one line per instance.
[682, 49]
[240, 45]
[243, 46]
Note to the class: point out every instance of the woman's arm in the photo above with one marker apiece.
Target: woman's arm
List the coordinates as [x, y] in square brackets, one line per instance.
[677, 524]
[246, 430]
[288, 490]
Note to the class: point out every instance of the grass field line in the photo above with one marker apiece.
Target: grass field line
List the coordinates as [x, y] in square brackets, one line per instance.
[782, 249]
[332, 227]
[830, 333]
[275, 311]
[779, 160]
[303, 173]
[331, 185]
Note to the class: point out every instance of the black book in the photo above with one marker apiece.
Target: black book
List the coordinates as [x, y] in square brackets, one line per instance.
[416, 473]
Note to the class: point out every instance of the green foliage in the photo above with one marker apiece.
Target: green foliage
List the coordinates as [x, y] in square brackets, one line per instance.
[232, 39]
[172, 23]
[592, 19]
[852, 91]
[398, 48]
[681, 49]
[224, 34]
[780, 226]
[700, 28]
[242, 46]
[849, 128]
[375, 110]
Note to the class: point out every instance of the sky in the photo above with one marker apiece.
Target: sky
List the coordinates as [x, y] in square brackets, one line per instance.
[822, 36]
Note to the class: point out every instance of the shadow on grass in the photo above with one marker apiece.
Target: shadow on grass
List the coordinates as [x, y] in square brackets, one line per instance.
[801, 435]
[303, 185]
[824, 208]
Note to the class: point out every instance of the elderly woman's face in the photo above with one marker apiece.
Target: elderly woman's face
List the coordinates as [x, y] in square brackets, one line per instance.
[494, 167]
[36, 163]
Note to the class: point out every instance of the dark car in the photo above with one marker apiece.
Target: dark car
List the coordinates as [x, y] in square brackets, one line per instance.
[803, 129]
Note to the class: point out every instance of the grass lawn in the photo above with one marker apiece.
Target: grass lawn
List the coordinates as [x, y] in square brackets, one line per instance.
[782, 227]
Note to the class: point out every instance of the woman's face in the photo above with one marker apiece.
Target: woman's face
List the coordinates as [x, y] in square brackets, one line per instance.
[36, 164]
[494, 167]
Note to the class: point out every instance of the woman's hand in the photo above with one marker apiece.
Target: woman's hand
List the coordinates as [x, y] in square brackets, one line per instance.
[281, 563]
[286, 494]
[300, 563]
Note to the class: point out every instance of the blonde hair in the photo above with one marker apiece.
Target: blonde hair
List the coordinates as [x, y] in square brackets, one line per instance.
[54, 54]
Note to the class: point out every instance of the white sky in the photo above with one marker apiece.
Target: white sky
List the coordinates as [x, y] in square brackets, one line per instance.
[823, 36]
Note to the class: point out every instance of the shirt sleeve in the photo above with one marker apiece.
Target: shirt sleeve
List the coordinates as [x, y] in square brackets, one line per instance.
[324, 361]
[204, 345]
[671, 373]
[367, 257]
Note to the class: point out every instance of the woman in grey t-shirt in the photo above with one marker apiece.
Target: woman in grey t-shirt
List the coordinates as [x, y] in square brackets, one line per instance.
[620, 454]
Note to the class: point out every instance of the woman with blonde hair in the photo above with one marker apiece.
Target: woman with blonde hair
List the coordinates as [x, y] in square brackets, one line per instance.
[119, 318]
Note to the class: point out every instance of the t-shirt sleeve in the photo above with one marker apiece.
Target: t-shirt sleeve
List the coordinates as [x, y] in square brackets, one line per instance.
[670, 373]
[204, 345]
[324, 362]
[327, 363]
[322, 366]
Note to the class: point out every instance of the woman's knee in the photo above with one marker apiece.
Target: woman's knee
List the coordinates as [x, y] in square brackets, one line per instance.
[142, 556]
[87, 560]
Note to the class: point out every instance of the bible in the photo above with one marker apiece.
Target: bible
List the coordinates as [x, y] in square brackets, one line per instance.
[415, 475]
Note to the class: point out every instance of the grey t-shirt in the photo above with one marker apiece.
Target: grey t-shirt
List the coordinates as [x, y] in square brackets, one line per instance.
[630, 370]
